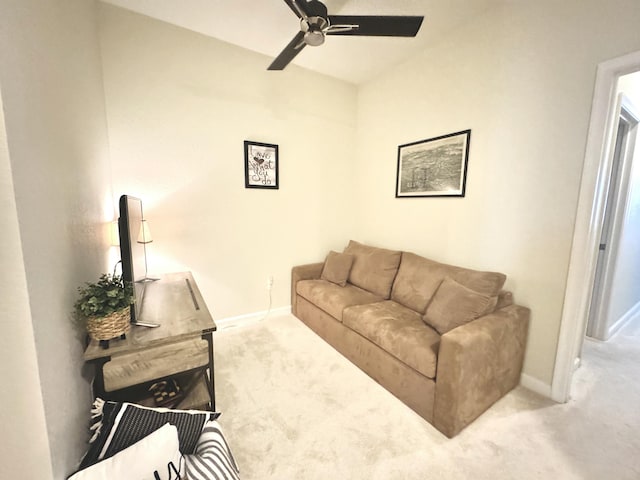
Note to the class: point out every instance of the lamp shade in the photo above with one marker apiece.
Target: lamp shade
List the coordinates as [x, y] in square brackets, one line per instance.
[114, 234]
[145, 233]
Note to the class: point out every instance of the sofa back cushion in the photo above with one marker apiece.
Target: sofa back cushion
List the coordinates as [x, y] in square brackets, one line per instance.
[373, 269]
[418, 279]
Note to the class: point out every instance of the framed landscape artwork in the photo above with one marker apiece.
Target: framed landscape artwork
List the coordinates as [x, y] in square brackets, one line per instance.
[260, 165]
[436, 167]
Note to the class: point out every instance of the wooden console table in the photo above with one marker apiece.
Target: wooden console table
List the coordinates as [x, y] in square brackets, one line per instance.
[180, 348]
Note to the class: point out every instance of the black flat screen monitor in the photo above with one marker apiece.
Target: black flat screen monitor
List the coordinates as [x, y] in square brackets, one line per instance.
[132, 249]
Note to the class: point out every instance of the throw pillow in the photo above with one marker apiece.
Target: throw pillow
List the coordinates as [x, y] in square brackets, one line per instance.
[118, 425]
[337, 267]
[213, 457]
[454, 305]
[157, 452]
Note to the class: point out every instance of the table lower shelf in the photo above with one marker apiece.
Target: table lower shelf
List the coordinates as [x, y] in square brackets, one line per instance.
[134, 368]
[194, 385]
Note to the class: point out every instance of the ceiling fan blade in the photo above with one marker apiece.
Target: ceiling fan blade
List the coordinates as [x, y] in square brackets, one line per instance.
[377, 26]
[294, 47]
[298, 8]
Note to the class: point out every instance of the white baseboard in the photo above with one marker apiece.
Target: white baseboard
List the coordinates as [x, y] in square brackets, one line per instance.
[535, 385]
[250, 318]
[632, 314]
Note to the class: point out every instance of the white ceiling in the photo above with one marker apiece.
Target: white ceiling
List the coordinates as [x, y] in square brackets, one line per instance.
[267, 26]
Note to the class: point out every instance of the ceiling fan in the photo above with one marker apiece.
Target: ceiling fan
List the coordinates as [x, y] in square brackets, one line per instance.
[315, 24]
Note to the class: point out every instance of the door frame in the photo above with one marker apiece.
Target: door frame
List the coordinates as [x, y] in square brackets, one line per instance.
[599, 325]
[588, 226]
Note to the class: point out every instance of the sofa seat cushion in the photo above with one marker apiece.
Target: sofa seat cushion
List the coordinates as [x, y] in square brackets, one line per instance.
[399, 331]
[333, 298]
[418, 279]
[373, 269]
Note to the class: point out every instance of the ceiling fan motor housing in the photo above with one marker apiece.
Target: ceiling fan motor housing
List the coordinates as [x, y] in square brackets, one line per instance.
[313, 28]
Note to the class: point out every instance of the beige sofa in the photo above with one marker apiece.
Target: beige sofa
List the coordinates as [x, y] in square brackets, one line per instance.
[446, 340]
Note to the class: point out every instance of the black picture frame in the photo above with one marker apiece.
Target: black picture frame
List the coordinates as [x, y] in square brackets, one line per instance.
[435, 167]
[261, 164]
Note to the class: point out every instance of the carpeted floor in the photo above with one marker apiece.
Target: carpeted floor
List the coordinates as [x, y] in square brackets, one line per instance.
[293, 408]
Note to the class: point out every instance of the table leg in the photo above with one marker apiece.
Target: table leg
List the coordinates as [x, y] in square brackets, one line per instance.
[98, 379]
[211, 382]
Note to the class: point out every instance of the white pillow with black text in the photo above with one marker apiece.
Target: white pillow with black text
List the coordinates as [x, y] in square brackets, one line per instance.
[157, 452]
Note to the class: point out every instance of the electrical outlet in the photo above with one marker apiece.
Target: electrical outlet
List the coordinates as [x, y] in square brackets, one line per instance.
[270, 282]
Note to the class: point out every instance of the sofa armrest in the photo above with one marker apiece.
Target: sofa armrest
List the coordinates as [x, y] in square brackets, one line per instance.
[309, 271]
[478, 363]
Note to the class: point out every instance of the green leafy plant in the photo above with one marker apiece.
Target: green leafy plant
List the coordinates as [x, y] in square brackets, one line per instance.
[110, 294]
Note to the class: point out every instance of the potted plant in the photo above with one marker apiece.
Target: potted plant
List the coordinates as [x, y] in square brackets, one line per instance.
[104, 307]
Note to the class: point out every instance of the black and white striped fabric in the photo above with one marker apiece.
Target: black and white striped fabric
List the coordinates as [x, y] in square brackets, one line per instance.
[212, 459]
[119, 425]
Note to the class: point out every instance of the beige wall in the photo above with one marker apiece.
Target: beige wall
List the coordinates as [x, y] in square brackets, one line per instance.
[22, 413]
[521, 77]
[51, 83]
[179, 107]
[625, 294]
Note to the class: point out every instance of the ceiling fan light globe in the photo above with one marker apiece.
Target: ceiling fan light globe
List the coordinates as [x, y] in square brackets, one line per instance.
[314, 38]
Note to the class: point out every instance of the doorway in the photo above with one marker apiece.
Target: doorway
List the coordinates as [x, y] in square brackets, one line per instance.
[589, 218]
[603, 321]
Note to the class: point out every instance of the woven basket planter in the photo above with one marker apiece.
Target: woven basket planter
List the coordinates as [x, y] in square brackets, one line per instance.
[109, 327]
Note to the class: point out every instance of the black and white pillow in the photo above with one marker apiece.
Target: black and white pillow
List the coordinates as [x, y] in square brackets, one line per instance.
[118, 425]
[155, 457]
[212, 458]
